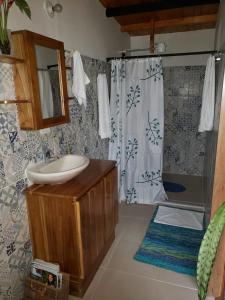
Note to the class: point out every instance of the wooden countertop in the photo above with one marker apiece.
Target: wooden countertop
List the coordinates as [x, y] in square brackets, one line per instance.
[79, 185]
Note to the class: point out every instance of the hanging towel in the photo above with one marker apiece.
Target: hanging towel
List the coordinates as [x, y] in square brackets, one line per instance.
[80, 79]
[69, 78]
[46, 94]
[208, 97]
[103, 107]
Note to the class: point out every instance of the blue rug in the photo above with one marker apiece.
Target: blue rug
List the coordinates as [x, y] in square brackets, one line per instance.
[170, 247]
[173, 187]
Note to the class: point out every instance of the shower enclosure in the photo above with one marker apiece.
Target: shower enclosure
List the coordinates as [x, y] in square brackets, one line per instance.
[195, 159]
[184, 146]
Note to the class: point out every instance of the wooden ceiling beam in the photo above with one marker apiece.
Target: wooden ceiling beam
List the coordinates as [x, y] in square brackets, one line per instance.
[200, 10]
[155, 6]
[172, 25]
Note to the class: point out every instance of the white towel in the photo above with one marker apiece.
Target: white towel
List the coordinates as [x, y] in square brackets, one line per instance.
[69, 78]
[46, 94]
[179, 217]
[80, 79]
[208, 97]
[103, 107]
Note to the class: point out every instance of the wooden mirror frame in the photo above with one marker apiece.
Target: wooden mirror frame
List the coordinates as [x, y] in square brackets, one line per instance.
[27, 83]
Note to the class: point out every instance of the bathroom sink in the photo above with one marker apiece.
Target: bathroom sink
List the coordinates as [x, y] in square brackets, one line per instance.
[57, 171]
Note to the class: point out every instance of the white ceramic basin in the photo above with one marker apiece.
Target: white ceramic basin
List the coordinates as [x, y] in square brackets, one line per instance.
[57, 171]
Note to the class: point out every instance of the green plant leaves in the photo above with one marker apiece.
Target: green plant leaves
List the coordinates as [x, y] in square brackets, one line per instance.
[208, 249]
[24, 7]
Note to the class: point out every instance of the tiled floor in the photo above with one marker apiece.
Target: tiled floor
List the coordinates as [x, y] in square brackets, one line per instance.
[193, 195]
[120, 277]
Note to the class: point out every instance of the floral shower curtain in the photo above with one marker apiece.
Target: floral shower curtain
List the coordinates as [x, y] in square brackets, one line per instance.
[137, 111]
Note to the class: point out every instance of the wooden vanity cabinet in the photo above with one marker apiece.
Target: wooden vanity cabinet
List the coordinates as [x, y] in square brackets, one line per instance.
[73, 223]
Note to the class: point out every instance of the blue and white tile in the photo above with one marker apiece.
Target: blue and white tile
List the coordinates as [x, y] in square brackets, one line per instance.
[5, 287]
[184, 147]
[34, 146]
[6, 79]
[3, 123]
[12, 121]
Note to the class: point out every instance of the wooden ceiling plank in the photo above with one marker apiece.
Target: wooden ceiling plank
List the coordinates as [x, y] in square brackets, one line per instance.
[175, 29]
[155, 6]
[169, 14]
[172, 25]
[116, 3]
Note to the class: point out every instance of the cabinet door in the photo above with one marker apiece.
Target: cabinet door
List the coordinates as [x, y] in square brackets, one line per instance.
[92, 225]
[54, 231]
[110, 203]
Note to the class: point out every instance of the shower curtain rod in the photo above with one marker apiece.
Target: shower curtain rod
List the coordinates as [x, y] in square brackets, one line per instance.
[160, 55]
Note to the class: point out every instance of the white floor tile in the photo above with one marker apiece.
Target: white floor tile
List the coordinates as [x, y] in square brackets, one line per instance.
[92, 287]
[117, 285]
[122, 259]
[120, 277]
[136, 210]
[133, 229]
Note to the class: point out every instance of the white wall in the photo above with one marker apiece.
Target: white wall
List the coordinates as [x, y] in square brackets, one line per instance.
[190, 41]
[82, 25]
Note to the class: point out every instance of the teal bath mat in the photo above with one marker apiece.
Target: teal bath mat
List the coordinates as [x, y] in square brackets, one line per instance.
[170, 247]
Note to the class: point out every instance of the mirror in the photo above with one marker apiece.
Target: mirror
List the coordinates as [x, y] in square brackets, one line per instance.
[49, 85]
[41, 80]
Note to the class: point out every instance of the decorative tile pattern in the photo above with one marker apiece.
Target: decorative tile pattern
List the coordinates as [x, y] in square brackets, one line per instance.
[3, 123]
[7, 90]
[2, 172]
[184, 146]
[81, 135]
[17, 149]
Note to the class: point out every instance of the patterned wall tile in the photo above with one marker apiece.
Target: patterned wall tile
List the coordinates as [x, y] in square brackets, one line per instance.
[3, 181]
[3, 123]
[12, 121]
[34, 144]
[7, 90]
[5, 287]
[17, 149]
[5, 146]
[184, 147]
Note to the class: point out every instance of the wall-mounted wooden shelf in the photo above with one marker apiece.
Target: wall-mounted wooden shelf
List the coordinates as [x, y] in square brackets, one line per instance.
[8, 59]
[14, 101]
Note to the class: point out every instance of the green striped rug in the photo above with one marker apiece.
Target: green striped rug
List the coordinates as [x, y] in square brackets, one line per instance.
[170, 247]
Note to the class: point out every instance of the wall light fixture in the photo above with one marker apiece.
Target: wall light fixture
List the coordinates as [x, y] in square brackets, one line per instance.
[50, 9]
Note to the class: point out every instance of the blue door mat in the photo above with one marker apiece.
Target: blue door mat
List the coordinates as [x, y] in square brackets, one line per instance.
[173, 187]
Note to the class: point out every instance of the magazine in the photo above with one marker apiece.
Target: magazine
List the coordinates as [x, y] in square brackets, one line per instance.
[47, 273]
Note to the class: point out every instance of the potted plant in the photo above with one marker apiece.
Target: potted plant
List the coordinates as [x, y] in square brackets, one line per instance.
[208, 250]
[5, 6]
